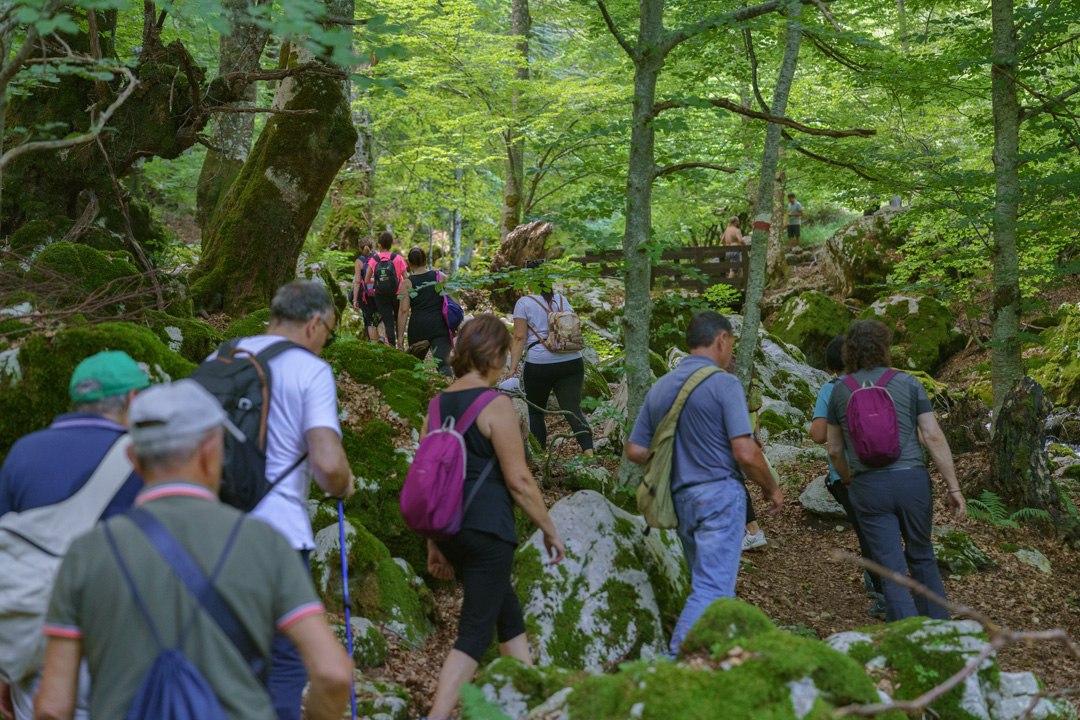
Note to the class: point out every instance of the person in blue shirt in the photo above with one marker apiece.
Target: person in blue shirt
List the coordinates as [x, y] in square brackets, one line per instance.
[834, 363]
[51, 465]
[713, 440]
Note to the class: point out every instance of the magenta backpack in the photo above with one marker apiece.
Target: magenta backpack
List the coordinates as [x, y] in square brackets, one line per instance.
[872, 422]
[432, 498]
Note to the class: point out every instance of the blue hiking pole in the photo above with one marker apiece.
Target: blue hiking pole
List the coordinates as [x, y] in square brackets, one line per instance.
[345, 595]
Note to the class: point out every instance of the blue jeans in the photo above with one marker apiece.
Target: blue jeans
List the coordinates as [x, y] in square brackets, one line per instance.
[288, 676]
[711, 525]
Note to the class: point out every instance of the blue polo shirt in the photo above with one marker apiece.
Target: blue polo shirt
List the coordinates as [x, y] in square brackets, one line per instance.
[51, 465]
[714, 414]
[821, 410]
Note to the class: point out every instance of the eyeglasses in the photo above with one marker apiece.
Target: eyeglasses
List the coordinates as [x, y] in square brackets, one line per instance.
[331, 336]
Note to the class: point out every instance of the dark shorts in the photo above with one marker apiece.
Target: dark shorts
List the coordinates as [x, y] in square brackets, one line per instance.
[793, 231]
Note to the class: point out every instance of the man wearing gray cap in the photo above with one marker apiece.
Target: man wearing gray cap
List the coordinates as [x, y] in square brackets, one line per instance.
[120, 590]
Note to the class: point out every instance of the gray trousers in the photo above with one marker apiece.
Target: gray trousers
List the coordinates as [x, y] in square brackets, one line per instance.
[895, 505]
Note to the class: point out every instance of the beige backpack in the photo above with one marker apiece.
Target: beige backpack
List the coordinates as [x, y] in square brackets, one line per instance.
[564, 329]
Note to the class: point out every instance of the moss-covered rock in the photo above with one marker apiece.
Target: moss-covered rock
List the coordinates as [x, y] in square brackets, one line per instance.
[924, 335]
[670, 317]
[193, 340]
[595, 385]
[32, 237]
[724, 624]
[516, 688]
[957, 553]
[1059, 374]
[613, 597]
[381, 701]
[381, 588]
[367, 361]
[859, 256]
[369, 647]
[810, 322]
[35, 376]
[252, 324]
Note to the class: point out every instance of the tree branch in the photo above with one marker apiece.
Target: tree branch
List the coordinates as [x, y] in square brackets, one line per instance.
[673, 38]
[627, 47]
[1027, 113]
[828, 16]
[735, 108]
[662, 171]
[828, 161]
[270, 111]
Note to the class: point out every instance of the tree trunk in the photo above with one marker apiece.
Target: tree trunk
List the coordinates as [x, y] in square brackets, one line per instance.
[239, 51]
[640, 174]
[513, 192]
[1006, 364]
[759, 247]
[261, 225]
[352, 197]
[901, 14]
[777, 267]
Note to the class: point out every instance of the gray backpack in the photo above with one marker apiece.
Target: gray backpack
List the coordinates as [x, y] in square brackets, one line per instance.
[32, 546]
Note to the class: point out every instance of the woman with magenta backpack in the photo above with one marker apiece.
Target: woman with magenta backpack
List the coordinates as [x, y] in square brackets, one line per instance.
[547, 370]
[481, 553]
[421, 310]
[877, 418]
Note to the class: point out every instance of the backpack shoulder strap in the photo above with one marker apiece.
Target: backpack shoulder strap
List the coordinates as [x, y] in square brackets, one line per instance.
[688, 387]
[227, 348]
[191, 575]
[276, 349]
[434, 416]
[473, 411]
[851, 383]
[886, 377]
[539, 301]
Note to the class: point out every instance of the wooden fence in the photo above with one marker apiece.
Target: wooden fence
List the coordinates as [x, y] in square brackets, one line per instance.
[690, 268]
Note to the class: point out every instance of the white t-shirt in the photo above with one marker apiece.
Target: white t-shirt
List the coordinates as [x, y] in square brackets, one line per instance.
[534, 310]
[303, 396]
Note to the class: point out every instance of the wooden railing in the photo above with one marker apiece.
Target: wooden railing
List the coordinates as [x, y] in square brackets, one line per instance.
[689, 268]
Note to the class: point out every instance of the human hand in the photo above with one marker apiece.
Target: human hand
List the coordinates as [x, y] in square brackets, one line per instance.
[350, 487]
[957, 503]
[437, 563]
[775, 499]
[356, 307]
[556, 550]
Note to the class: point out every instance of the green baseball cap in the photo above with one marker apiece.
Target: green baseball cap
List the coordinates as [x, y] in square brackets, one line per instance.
[112, 372]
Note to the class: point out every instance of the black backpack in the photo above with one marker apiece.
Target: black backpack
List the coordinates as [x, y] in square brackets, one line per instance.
[385, 276]
[241, 383]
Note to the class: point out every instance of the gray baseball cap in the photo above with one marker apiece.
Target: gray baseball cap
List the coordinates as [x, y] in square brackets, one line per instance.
[166, 417]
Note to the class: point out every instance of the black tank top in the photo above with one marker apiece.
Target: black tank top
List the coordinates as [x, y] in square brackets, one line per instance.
[426, 320]
[492, 511]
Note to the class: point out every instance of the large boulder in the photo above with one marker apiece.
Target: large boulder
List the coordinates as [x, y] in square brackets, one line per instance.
[809, 322]
[910, 657]
[612, 596]
[859, 256]
[1059, 363]
[516, 688]
[924, 332]
[817, 499]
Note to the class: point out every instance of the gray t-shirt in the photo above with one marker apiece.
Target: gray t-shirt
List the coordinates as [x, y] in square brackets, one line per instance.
[911, 401]
[534, 311]
[792, 208]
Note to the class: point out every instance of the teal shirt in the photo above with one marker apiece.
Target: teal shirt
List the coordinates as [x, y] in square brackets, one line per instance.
[821, 410]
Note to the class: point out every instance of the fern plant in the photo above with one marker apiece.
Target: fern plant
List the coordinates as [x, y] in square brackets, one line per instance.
[989, 507]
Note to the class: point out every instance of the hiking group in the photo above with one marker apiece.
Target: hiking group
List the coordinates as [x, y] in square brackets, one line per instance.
[159, 566]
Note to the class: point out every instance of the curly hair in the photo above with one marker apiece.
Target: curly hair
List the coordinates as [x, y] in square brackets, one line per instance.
[481, 344]
[866, 346]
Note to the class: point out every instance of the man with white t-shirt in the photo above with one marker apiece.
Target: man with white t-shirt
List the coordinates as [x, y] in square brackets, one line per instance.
[303, 418]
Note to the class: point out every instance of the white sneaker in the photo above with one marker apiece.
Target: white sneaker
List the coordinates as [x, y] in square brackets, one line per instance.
[756, 540]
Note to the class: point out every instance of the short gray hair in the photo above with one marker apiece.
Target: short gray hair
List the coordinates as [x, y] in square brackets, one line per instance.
[111, 405]
[155, 461]
[704, 327]
[299, 301]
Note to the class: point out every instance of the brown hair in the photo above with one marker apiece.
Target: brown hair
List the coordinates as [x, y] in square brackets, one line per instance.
[481, 344]
[417, 257]
[386, 239]
[866, 346]
[548, 295]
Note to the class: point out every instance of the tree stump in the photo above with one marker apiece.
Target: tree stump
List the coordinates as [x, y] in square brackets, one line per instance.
[525, 242]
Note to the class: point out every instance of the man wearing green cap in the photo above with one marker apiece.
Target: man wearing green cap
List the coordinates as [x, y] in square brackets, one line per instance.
[55, 484]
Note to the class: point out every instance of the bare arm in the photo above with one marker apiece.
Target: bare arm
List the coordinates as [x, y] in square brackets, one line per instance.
[935, 442]
[636, 453]
[752, 461]
[60, 680]
[834, 441]
[817, 430]
[357, 283]
[403, 310]
[328, 462]
[517, 346]
[329, 669]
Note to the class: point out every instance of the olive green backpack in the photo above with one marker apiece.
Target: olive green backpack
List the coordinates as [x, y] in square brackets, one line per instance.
[654, 493]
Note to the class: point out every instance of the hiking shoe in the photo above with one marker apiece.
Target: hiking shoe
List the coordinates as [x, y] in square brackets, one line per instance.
[750, 542]
[877, 610]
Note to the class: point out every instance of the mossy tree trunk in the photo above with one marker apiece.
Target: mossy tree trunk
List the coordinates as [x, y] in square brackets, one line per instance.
[239, 51]
[514, 189]
[262, 222]
[763, 215]
[352, 197]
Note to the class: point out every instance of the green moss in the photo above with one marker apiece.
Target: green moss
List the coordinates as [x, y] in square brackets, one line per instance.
[956, 552]
[534, 684]
[367, 361]
[595, 384]
[923, 339]
[810, 322]
[34, 235]
[776, 423]
[1060, 373]
[14, 328]
[254, 323]
[88, 271]
[1053, 449]
[529, 573]
[408, 392]
[725, 623]
[626, 614]
[603, 318]
[657, 365]
[197, 339]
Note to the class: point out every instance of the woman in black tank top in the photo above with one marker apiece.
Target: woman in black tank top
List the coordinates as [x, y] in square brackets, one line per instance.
[482, 553]
[421, 309]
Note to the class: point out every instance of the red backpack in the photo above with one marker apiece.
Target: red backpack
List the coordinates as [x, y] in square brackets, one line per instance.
[432, 496]
[872, 423]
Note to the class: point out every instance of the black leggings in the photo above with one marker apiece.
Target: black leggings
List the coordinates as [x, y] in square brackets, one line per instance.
[440, 348]
[839, 491]
[388, 308]
[483, 563]
[566, 379]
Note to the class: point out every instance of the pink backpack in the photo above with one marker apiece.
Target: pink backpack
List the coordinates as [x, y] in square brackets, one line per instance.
[432, 497]
[872, 422]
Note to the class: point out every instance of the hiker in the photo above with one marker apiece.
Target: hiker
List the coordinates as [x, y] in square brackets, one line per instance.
[423, 314]
[124, 592]
[303, 440]
[55, 484]
[363, 301]
[482, 553]
[713, 441]
[834, 364]
[794, 221]
[546, 371]
[733, 236]
[385, 272]
[884, 410]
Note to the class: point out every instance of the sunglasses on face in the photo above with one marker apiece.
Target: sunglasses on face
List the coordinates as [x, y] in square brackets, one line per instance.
[331, 334]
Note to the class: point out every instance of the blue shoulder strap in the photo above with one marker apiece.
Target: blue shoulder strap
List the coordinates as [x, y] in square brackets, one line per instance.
[189, 573]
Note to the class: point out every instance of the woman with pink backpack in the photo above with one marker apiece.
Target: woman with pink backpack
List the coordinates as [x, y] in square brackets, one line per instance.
[879, 419]
[478, 542]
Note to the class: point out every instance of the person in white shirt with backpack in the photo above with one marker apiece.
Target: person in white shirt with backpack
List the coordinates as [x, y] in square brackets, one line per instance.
[551, 364]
